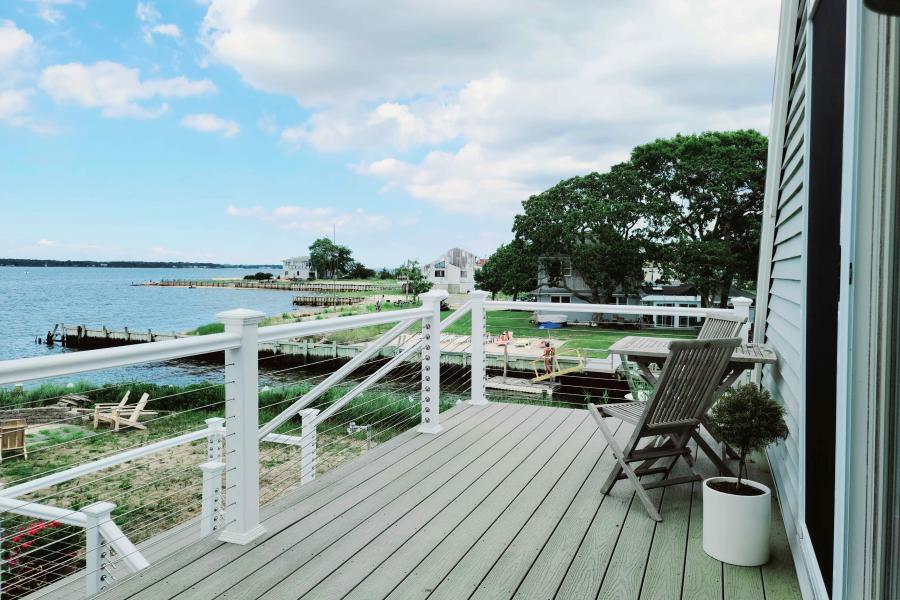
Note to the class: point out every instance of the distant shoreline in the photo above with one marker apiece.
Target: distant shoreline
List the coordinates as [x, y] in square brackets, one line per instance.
[124, 264]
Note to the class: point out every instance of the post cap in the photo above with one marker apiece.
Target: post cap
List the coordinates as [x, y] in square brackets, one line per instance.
[98, 508]
[479, 293]
[240, 316]
[741, 301]
[434, 295]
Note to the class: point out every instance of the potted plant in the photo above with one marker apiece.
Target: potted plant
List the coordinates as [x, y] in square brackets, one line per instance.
[737, 511]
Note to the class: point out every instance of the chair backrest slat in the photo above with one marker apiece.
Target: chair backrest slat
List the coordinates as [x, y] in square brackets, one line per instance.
[690, 376]
[721, 326]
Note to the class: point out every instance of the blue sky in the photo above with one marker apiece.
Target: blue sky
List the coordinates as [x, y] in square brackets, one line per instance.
[240, 130]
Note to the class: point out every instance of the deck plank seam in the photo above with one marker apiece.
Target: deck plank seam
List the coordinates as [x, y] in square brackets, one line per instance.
[465, 413]
[486, 496]
[496, 415]
[476, 480]
[518, 409]
[562, 516]
[555, 452]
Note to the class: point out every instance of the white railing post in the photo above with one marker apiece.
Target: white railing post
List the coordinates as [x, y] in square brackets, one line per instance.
[308, 444]
[431, 361]
[211, 502]
[242, 424]
[742, 309]
[214, 440]
[479, 374]
[96, 550]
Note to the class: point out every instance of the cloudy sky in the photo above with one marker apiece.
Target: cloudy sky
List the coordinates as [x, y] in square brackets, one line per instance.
[240, 130]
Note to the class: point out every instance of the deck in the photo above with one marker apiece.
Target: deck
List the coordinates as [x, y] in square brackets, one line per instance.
[502, 504]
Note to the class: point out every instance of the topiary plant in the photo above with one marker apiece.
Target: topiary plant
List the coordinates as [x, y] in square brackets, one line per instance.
[747, 418]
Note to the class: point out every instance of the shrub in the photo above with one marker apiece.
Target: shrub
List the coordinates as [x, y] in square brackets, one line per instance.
[39, 553]
[748, 419]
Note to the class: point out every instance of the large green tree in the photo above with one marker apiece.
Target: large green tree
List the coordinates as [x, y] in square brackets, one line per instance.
[596, 223]
[511, 269]
[708, 198]
[330, 260]
[414, 281]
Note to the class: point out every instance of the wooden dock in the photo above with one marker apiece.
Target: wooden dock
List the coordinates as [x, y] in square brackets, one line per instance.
[503, 504]
[326, 300]
[455, 349]
[286, 285]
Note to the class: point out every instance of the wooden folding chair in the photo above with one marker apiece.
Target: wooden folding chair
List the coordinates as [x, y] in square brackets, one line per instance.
[683, 394]
[126, 416]
[718, 326]
[12, 436]
[107, 408]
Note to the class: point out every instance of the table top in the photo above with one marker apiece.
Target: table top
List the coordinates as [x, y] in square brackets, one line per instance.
[636, 347]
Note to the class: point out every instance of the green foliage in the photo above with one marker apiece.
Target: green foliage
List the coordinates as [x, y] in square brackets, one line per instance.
[207, 329]
[748, 419]
[595, 223]
[259, 276]
[360, 271]
[511, 269]
[385, 274]
[707, 192]
[330, 260]
[414, 281]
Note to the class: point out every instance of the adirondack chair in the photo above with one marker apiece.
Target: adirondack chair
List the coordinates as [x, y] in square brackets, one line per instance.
[721, 326]
[669, 419]
[12, 436]
[122, 414]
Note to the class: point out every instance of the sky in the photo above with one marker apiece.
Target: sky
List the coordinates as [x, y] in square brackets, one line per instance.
[239, 131]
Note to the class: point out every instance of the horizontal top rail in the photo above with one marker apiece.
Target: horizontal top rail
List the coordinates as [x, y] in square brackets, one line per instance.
[69, 363]
[620, 309]
[308, 328]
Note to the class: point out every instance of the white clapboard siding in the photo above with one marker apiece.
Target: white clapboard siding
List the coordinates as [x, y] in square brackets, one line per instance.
[785, 309]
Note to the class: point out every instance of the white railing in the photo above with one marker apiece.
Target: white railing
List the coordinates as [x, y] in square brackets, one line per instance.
[239, 342]
[240, 430]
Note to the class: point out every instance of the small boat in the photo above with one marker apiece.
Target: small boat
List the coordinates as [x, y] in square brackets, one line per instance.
[551, 321]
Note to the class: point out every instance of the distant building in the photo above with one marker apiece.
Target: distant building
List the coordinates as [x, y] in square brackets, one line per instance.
[454, 271]
[298, 268]
[559, 283]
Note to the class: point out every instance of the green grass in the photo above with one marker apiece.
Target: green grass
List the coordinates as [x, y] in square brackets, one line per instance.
[592, 342]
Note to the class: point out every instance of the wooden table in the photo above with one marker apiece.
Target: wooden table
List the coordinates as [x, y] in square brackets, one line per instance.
[645, 351]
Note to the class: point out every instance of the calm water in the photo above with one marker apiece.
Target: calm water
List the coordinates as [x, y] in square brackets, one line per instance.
[32, 300]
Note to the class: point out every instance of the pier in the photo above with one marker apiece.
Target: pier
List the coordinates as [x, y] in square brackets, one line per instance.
[455, 349]
[292, 286]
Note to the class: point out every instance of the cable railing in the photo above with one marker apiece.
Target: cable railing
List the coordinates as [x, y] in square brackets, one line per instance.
[250, 443]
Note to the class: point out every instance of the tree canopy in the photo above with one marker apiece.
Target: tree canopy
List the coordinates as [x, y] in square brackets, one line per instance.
[414, 281]
[330, 260]
[511, 269]
[708, 193]
[691, 204]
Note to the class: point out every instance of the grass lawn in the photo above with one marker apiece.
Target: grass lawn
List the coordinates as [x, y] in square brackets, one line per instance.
[591, 341]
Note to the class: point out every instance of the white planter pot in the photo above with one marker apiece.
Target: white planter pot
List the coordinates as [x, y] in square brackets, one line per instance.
[736, 528]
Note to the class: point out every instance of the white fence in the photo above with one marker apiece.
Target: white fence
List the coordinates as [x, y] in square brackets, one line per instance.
[240, 431]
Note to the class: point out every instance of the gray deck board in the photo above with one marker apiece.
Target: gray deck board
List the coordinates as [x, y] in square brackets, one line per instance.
[504, 503]
[310, 554]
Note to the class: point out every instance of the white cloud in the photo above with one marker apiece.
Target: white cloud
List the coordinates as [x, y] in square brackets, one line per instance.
[168, 29]
[116, 89]
[149, 16]
[15, 44]
[48, 11]
[208, 123]
[13, 103]
[500, 98]
[313, 220]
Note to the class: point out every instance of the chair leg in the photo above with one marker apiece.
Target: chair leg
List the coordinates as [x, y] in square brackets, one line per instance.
[723, 468]
[624, 466]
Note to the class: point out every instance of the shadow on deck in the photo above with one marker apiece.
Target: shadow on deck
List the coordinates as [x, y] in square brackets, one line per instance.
[502, 504]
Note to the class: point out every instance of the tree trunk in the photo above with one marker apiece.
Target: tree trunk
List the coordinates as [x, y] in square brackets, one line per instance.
[725, 292]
